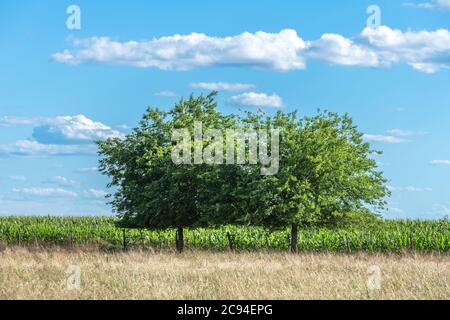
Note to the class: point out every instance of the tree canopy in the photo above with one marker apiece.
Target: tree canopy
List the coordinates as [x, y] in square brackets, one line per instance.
[324, 170]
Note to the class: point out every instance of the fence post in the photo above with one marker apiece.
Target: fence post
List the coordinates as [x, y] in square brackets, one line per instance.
[71, 240]
[124, 240]
[411, 243]
[230, 241]
[349, 244]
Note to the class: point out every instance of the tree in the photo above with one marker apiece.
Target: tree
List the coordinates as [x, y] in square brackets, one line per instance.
[152, 189]
[325, 173]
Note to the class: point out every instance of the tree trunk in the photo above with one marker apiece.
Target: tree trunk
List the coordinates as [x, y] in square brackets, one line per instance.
[294, 238]
[180, 239]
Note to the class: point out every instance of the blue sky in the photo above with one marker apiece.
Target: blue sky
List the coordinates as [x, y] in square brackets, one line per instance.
[60, 89]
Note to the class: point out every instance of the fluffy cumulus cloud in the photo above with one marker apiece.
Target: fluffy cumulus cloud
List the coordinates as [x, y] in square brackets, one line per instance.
[279, 51]
[257, 100]
[426, 51]
[73, 129]
[336, 49]
[63, 135]
[224, 86]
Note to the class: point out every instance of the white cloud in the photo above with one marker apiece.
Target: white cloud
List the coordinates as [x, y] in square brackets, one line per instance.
[95, 193]
[336, 49]
[406, 133]
[62, 135]
[34, 148]
[64, 129]
[18, 178]
[418, 189]
[383, 138]
[277, 51]
[440, 162]
[166, 93]
[47, 192]
[258, 100]
[421, 5]
[72, 130]
[439, 4]
[395, 210]
[87, 170]
[224, 86]
[410, 189]
[11, 120]
[63, 181]
[444, 4]
[426, 51]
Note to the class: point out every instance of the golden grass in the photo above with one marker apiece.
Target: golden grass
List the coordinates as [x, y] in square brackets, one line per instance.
[41, 274]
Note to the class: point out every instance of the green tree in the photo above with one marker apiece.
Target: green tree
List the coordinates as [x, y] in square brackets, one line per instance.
[151, 190]
[325, 174]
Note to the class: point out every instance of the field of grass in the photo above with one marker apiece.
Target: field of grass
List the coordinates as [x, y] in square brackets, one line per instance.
[45, 274]
[388, 236]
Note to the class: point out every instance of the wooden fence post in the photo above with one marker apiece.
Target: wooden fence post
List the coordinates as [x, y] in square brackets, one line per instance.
[124, 240]
[230, 241]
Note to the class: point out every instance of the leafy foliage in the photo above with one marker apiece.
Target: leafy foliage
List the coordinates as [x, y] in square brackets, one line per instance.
[325, 173]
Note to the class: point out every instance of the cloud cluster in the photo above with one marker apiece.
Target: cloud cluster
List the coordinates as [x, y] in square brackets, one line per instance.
[278, 51]
[257, 100]
[426, 51]
[63, 135]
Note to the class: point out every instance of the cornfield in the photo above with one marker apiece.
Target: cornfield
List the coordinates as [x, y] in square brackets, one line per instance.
[387, 236]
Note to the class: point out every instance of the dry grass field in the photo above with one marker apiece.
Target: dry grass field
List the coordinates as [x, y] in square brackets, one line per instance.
[45, 274]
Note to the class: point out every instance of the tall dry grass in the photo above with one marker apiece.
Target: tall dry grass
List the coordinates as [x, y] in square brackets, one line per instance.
[41, 274]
